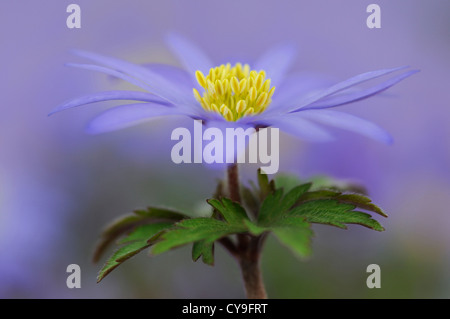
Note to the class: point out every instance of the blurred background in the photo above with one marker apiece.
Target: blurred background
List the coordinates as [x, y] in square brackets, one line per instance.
[59, 186]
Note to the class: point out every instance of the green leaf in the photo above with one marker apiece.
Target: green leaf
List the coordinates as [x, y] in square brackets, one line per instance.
[193, 230]
[270, 208]
[250, 201]
[233, 212]
[135, 242]
[123, 254]
[205, 250]
[160, 213]
[264, 184]
[332, 212]
[292, 197]
[362, 202]
[145, 233]
[127, 223]
[326, 182]
[275, 205]
[295, 233]
[286, 182]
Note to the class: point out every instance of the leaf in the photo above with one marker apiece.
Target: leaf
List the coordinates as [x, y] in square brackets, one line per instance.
[292, 197]
[362, 202]
[193, 230]
[135, 242]
[270, 207]
[145, 233]
[286, 181]
[128, 222]
[292, 231]
[263, 183]
[160, 213]
[250, 201]
[325, 182]
[332, 212]
[233, 212]
[295, 233]
[123, 254]
[275, 205]
[358, 200]
[205, 250]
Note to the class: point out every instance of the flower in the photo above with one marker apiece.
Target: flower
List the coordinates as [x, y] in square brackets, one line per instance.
[257, 96]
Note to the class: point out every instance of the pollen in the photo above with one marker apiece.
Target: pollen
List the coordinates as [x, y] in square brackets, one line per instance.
[234, 92]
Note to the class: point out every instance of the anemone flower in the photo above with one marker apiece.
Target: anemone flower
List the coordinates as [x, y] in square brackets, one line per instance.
[257, 95]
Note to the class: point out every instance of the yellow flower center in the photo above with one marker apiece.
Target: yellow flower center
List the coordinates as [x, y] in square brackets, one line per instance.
[234, 92]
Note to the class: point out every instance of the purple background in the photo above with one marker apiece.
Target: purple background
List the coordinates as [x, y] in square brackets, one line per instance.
[59, 186]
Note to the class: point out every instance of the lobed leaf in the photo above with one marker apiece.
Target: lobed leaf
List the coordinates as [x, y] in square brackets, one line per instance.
[233, 212]
[193, 230]
[335, 213]
[127, 223]
[205, 250]
[135, 242]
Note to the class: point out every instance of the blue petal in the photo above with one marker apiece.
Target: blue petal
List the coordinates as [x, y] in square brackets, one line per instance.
[298, 86]
[347, 122]
[339, 87]
[276, 62]
[157, 84]
[111, 72]
[128, 115]
[192, 57]
[301, 128]
[360, 95]
[174, 75]
[107, 96]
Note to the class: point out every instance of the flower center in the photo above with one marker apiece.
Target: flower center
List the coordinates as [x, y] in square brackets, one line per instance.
[235, 91]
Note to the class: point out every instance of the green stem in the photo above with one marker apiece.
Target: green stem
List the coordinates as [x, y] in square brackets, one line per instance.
[249, 247]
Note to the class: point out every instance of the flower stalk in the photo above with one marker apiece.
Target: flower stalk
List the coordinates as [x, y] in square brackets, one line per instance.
[248, 251]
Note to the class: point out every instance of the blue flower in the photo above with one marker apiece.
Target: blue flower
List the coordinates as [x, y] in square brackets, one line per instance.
[233, 95]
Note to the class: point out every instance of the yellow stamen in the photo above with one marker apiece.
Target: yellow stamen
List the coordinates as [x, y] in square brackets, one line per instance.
[238, 90]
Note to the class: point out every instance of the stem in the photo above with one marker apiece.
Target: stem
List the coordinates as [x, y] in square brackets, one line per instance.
[248, 250]
[252, 276]
[233, 183]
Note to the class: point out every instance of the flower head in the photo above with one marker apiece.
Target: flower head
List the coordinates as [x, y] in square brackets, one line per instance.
[234, 92]
[239, 95]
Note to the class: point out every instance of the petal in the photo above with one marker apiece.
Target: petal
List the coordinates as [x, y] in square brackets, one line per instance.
[108, 96]
[347, 122]
[359, 95]
[341, 86]
[128, 115]
[298, 86]
[157, 84]
[192, 57]
[299, 127]
[173, 74]
[111, 72]
[276, 62]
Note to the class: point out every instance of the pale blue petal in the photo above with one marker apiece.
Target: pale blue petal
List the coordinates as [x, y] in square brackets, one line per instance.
[123, 116]
[158, 85]
[191, 56]
[276, 62]
[359, 95]
[340, 87]
[299, 127]
[108, 96]
[347, 122]
[111, 72]
[297, 86]
[174, 75]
